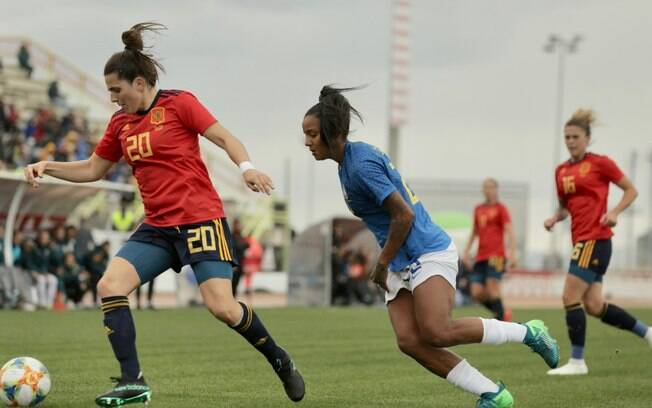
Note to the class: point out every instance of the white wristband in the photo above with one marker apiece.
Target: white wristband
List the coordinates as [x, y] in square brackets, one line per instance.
[245, 165]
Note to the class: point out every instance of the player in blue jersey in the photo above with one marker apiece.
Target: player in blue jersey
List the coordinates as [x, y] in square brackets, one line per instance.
[418, 262]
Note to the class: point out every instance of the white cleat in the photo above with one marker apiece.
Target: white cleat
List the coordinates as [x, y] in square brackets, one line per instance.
[573, 367]
[648, 336]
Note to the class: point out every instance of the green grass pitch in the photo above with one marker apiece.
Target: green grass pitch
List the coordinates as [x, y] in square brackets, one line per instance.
[348, 358]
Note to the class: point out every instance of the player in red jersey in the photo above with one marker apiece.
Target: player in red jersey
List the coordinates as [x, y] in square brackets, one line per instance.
[582, 187]
[491, 224]
[156, 132]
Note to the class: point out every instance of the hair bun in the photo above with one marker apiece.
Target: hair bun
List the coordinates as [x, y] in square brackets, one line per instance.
[584, 115]
[326, 91]
[132, 39]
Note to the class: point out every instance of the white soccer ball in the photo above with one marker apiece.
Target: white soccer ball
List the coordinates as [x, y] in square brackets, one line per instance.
[24, 382]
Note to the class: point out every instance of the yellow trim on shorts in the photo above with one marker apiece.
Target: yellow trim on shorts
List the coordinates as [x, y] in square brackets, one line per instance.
[587, 253]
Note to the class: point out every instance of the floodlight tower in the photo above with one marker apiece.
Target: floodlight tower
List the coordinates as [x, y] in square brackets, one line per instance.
[562, 48]
[399, 70]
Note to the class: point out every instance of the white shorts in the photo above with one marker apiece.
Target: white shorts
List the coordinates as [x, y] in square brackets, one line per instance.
[443, 263]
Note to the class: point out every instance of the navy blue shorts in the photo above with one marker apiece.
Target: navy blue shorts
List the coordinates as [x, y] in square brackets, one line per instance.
[493, 267]
[207, 247]
[590, 260]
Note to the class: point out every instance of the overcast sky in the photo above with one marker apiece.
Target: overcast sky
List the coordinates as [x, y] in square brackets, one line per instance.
[482, 91]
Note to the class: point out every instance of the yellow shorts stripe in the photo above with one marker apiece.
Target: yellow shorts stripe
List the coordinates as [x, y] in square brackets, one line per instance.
[219, 239]
[222, 238]
[587, 253]
[588, 258]
[580, 262]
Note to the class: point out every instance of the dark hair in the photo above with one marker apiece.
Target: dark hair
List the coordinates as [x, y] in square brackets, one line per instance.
[133, 61]
[582, 118]
[334, 113]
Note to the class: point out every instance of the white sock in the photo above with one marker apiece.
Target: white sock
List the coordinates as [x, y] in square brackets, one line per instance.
[499, 332]
[469, 379]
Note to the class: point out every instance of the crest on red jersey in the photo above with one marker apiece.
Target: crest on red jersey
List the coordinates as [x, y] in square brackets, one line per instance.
[157, 116]
[585, 168]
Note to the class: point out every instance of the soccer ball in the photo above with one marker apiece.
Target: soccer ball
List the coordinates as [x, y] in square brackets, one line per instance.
[24, 382]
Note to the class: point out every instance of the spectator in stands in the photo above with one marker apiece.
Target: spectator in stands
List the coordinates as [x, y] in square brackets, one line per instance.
[67, 150]
[45, 267]
[338, 266]
[24, 59]
[240, 245]
[95, 263]
[3, 116]
[2, 245]
[72, 278]
[252, 263]
[18, 242]
[29, 264]
[55, 95]
[357, 283]
[11, 119]
[46, 136]
[123, 218]
[21, 282]
[59, 249]
[47, 152]
[84, 242]
[71, 239]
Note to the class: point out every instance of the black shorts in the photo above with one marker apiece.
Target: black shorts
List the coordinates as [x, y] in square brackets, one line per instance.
[191, 243]
[590, 260]
[493, 267]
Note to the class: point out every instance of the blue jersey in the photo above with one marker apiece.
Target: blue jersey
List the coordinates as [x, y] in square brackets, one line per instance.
[368, 178]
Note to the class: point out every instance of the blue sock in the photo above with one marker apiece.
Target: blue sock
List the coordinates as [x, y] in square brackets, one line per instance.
[576, 323]
[119, 325]
[640, 328]
[577, 352]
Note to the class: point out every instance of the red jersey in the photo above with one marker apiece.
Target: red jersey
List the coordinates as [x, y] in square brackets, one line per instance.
[489, 222]
[162, 147]
[583, 186]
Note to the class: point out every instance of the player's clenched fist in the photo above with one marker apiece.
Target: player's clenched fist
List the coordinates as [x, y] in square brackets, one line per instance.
[379, 276]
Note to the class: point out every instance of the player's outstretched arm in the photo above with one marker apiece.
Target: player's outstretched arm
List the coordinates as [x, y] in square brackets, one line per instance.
[81, 171]
[255, 180]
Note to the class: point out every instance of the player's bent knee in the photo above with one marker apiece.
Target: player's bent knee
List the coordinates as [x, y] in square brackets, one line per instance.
[107, 286]
[569, 299]
[229, 314]
[408, 344]
[594, 308]
[437, 336]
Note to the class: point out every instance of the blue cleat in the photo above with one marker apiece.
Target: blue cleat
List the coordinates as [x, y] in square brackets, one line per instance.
[541, 342]
[500, 399]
